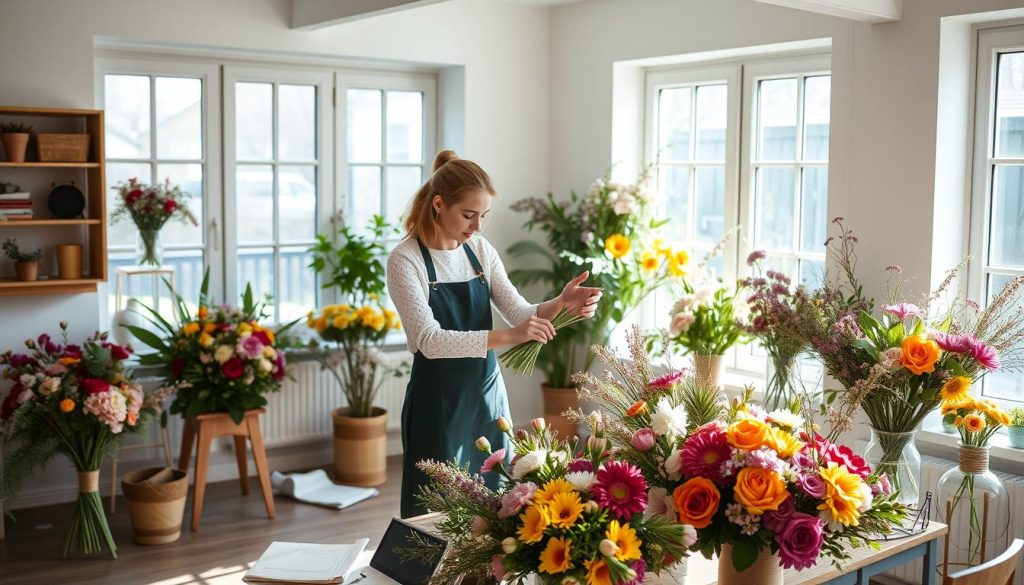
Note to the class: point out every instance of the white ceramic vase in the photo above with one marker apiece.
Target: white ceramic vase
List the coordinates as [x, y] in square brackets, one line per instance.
[130, 315]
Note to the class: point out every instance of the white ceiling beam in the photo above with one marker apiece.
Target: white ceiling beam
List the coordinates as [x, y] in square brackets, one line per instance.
[316, 14]
[873, 11]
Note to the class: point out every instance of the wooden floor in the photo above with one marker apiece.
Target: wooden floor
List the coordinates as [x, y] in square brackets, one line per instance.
[234, 532]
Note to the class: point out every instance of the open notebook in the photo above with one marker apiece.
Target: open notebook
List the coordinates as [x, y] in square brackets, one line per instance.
[296, 562]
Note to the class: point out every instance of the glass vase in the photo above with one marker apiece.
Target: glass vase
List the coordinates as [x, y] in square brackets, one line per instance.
[782, 382]
[149, 251]
[896, 455]
[976, 507]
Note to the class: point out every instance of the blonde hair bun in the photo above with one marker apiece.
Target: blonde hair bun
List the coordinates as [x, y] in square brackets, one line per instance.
[444, 157]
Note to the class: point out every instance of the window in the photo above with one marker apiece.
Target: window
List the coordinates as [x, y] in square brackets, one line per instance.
[998, 179]
[744, 144]
[261, 199]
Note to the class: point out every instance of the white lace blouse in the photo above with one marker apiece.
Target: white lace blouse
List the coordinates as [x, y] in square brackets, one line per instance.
[408, 288]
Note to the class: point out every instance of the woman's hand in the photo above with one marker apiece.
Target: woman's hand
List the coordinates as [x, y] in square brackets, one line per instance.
[580, 300]
[533, 329]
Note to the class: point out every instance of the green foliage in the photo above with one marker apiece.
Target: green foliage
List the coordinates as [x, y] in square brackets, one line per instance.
[355, 267]
[16, 128]
[14, 253]
[1017, 416]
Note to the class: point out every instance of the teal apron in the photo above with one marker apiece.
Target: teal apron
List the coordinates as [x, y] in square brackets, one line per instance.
[451, 402]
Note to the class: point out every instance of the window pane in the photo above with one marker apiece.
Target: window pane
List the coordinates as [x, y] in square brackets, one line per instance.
[711, 122]
[1007, 239]
[122, 232]
[364, 196]
[785, 265]
[405, 126]
[777, 119]
[254, 121]
[814, 209]
[298, 283]
[817, 101]
[710, 191]
[126, 116]
[179, 118]
[256, 267]
[403, 182]
[1010, 106]
[254, 203]
[296, 203]
[674, 124]
[1002, 384]
[190, 178]
[364, 112]
[774, 211]
[296, 122]
[674, 190]
[812, 273]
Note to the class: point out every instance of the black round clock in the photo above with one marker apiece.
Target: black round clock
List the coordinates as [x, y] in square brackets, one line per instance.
[66, 201]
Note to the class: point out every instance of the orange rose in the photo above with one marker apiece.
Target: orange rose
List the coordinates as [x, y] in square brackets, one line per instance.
[696, 502]
[919, 355]
[759, 490]
[747, 433]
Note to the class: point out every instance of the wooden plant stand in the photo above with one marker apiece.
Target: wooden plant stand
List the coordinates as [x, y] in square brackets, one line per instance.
[210, 426]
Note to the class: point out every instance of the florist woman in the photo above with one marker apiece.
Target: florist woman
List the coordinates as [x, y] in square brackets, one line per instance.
[442, 278]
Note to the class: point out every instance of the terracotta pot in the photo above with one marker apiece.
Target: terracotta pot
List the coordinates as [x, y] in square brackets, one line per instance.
[69, 261]
[156, 503]
[360, 447]
[557, 401]
[15, 146]
[765, 570]
[27, 271]
[709, 369]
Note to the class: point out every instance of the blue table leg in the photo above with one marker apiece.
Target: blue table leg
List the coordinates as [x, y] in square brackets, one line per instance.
[929, 563]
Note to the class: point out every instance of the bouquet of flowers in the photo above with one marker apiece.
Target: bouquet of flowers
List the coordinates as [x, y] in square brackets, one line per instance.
[569, 517]
[749, 481]
[150, 207]
[75, 400]
[220, 359]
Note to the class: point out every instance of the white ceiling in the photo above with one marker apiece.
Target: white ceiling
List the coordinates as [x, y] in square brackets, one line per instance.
[542, 2]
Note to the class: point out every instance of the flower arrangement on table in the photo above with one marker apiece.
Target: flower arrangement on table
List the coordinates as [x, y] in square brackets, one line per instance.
[220, 359]
[569, 517]
[355, 268]
[75, 400]
[150, 207]
[750, 482]
[895, 366]
[610, 231]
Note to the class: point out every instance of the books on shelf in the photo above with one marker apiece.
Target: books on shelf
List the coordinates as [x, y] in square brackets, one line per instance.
[296, 562]
[15, 196]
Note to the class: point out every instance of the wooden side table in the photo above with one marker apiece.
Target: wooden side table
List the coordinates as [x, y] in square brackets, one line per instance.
[207, 427]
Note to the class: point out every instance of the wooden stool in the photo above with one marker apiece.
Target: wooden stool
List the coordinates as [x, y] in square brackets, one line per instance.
[219, 424]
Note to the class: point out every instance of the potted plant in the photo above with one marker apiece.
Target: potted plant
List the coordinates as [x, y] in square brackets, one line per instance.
[74, 400]
[26, 264]
[150, 207]
[355, 333]
[14, 138]
[1015, 430]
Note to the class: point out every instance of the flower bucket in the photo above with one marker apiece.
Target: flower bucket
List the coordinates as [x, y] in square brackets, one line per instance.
[557, 401]
[765, 570]
[1016, 435]
[360, 447]
[15, 144]
[156, 503]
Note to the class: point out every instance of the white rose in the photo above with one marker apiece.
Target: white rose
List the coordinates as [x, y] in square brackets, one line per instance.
[223, 353]
[529, 463]
[27, 380]
[681, 323]
[865, 497]
[266, 365]
[49, 386]
[667, 419]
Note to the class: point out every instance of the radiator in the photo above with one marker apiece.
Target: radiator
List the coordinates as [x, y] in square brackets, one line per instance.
[932, 469]
[300, 412]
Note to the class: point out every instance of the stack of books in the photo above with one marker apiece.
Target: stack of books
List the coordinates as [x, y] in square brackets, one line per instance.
[15, 206]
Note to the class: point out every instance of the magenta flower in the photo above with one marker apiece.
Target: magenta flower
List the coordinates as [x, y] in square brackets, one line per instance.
[951, 342]
[581, 465]
[755, 256]
[800, 541]
[643, 440]
[774, 520]
[495, 459]
[984, 354]
[621, 489]
[639, 567]
[903, 310]
[704, 453]
[811, 484]
[667, 381]
[250, 347]
[498, 568]
[516, 499]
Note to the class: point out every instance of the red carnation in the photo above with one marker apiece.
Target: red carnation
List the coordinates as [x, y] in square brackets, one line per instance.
[177, 368]
[118, 352]
[133, 195]
[169, 206]
[94, 386]
[233, 368]
[263, 337]
[73, 351]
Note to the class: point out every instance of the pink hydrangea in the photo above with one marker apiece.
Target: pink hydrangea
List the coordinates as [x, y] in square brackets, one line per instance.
[250, 347]
[903, 310]
[516, 499]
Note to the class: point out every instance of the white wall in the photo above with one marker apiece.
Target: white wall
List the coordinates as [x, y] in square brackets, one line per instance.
[499, 52]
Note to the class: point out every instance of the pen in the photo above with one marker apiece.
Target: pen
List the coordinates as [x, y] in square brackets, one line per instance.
[360, 578]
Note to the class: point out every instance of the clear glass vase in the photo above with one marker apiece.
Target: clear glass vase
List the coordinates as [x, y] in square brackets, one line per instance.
[149, 251]
[976, 506]
[782, 382]
[896, 455]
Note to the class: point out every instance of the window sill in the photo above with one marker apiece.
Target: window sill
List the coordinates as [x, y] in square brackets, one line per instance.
[932, 440]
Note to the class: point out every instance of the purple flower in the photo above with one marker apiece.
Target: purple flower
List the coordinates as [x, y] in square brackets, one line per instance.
[803, 460]
[19, 360]
[847, 325]
[755, 256]
[984, 354]
[774, 520]
[516, 498]
[951, 342]
[639, 567]
[903, 310]
[250, 347]
[800, 541]
[811, 484]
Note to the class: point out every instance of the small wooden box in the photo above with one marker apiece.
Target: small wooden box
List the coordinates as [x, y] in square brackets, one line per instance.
[63, 147]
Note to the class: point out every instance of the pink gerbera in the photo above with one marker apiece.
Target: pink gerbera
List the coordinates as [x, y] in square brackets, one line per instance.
[666, 381]
[493, 460]
[621, 489]
[952, 342]
[983, 353]
[903, 310]
[704, 453]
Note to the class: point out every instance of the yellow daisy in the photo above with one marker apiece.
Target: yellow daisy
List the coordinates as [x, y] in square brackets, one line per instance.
[974, 423]
[649, 262]
[597, 572]
[617, 245]
[556, 557]
[625, 538]
[842, 494]
[535, 519]
[545, 494]
[564, 509]
[956, 389]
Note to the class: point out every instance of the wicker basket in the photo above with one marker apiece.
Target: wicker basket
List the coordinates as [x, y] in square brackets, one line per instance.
[63, 147]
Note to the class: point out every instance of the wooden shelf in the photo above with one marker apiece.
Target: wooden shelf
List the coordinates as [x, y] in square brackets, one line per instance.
[50, 165]
[53, 285]
[47, 222]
